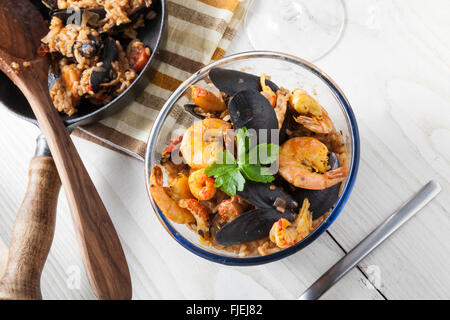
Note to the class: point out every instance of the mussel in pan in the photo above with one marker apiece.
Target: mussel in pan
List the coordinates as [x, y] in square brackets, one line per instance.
[52, 78]
[89, 38]
[104, 73]
[88, 48]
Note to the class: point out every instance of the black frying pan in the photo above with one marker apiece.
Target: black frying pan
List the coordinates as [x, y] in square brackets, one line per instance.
[42, 169]
[150, 34]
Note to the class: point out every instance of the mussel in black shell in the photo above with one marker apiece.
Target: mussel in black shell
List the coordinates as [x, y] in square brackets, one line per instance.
[232, 81]
[104, 73]
[272, 203]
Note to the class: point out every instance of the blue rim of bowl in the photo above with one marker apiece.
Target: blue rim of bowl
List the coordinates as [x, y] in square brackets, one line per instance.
[350, 182]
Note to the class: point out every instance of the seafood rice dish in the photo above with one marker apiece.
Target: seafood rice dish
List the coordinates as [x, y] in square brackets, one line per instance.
[94, 49]
[258, 171]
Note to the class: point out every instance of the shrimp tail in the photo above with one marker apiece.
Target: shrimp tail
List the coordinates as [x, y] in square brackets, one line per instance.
[335, 176]
[314, 124]
[201, 216]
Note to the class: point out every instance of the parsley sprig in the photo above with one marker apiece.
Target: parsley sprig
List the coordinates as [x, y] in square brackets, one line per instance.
[251, 164]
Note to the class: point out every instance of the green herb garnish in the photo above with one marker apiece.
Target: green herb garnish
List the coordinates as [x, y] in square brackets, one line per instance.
[230, 173]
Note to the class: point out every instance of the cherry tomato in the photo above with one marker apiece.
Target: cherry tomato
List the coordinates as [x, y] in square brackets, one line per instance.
[139, 58]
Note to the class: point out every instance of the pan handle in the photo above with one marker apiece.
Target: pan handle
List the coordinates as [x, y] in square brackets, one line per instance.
[33, 229]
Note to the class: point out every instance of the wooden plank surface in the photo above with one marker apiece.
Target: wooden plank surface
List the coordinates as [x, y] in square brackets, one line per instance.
[160, 267]
[393, 65]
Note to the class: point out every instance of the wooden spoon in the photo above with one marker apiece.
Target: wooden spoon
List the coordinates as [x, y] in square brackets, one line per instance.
[21, 28]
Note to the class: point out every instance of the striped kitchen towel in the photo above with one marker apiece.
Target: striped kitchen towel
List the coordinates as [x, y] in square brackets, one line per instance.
[198, 31]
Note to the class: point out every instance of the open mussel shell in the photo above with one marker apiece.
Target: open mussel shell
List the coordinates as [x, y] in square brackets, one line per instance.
[89, 48]
[191, 109]
[232, 81]
[52, 78]
[133, 17]
[105, 72]
[250, 226]
[266, 195]
[321, 201]
[51, 4]
[256, 224]
[252, 110]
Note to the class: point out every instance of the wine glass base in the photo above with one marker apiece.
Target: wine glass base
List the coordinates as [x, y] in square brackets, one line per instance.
[308, 29]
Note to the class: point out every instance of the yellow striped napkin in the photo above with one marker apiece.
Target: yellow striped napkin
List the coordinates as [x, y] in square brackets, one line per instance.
[199, 31]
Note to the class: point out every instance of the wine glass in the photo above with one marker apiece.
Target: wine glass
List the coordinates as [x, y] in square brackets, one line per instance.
[308, 29]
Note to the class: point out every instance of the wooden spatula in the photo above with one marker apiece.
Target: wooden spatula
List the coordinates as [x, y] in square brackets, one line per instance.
[21, 28]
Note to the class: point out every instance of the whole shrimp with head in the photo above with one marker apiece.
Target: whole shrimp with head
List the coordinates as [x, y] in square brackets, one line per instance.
[203, 141]
[312, 115]
[304, 164]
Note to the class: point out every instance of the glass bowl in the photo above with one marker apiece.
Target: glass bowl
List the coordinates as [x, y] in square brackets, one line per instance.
[286, 71]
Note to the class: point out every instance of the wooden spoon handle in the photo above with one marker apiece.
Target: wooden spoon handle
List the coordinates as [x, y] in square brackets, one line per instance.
[101, 250]
[32, 232]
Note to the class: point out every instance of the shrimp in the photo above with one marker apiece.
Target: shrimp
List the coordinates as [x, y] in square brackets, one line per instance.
[166, 204]
[285, 234]
[201, 186]
[230, 209]
[203, 141]
[312, 115]
[280, 108]
[304, 163]
[201, 217]
[174, 145]
[267, 91]
[179, 187]
[207, 100]
[278, 100]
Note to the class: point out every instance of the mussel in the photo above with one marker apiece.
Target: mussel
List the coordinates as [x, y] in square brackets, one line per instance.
[88, 48]
[266, 195]
[133, 17]
[256, 224]
[272, 203]
[104, 73]
[52, 78]
[321, 200]
[232, 81]
[251, 225]
[252, 110]
[191, 109]
[51, 4]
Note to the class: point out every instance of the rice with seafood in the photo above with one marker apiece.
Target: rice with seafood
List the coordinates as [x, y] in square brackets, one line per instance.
[240, 188]
[94, 47]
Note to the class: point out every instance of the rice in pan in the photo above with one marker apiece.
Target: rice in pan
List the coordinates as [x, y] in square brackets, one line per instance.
[94, 47]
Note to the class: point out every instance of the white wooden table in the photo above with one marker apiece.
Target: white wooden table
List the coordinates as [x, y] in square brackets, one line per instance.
[393, 64]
